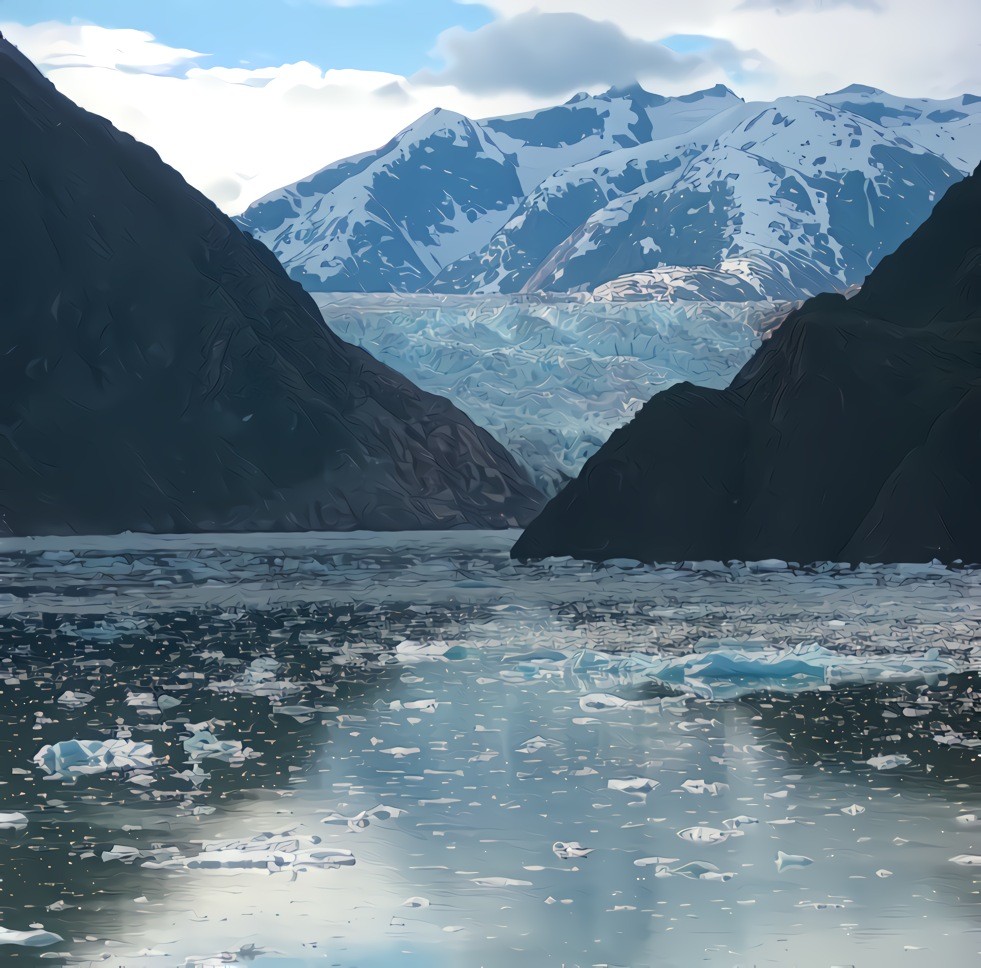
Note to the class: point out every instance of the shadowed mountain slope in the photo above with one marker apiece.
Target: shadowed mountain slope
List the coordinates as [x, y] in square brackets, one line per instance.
[853, 434]
[160, 371]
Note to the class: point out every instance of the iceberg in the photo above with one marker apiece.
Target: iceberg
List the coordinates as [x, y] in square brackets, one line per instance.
[80, 757]
[37, 938]
[729, 671]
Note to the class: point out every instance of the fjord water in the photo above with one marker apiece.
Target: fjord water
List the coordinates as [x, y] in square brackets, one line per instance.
[497, 705]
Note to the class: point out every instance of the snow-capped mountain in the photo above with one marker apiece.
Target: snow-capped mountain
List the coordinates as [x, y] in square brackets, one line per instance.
[439, 191]
[629, 193]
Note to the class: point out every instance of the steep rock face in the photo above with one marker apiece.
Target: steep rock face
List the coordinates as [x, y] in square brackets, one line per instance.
[853, 434]
[160, 372]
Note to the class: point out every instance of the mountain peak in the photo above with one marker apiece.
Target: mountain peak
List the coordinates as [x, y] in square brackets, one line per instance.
[438, 119]
[860, 89]
[719, 90]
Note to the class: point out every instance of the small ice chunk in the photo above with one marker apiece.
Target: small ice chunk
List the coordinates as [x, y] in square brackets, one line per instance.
[734, 823]
[75, 700]
[12, 821]
[787, 862]
[889, 761]
[634, 784]
[700, 786]
[500, 882]
[854, 810]
[967, 860]
[882, 872]
[707, 835]
[969, 820]
[654, 861]
[571, 849]
[534, 744]
[696, 870]
[202, 744]
[38, 938]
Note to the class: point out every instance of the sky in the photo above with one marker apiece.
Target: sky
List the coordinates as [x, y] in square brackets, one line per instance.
[243, 96]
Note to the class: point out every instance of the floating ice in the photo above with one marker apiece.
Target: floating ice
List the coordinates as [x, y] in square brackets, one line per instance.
[729, 672]
[269, 861]
[259, 679]
[967, 860]
[854, 810]
[500, 882]
[400, 752]
[707, 835]
[416, 902]
[78, 757]
[75, 700]
[695, 870]
[12, 821]
[969, 819]
[38, 938]
[410, 650]
[700, 786]
[362, 819]
[654, 861]
[571, 849]
[202, 744]
[634, 784]
[889, 761]
[789, 862]
[734, 823]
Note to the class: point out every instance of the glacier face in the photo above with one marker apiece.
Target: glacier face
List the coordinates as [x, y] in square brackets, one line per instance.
[698, 197]
[551, 377]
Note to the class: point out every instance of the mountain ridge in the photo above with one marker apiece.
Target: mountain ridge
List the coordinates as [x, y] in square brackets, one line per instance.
[164, 374]
[851, 435]
[564, 192]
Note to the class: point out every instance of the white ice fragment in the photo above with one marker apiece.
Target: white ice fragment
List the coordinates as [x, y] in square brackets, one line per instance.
[787, 862]
[37, 938]
[400, 752]
[571, 849]
[707, 835]
[969, 820]
[700, 786]
[734, 823]
[359, 821]
[534, 744]
[203, 744]
[77, 757]
[12, 821]
[75, 700]
[233, 860]
[500, 882]
[634, 784]
[967, 860]
[882, 872]
[416, 902]
[889, 761]
[654, 861]
[854, 810]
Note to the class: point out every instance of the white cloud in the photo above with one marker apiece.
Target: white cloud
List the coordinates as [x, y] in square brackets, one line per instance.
[234, 133]
[58, 45]
[908, 47]
[555, 53]
[238, 133]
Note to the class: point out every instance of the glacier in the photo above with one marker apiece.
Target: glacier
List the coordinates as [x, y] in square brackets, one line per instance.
[551, 377]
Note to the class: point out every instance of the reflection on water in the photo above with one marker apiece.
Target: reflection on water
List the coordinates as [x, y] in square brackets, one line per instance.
[501, 708]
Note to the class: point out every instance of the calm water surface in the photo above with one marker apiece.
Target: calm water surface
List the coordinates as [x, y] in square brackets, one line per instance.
[447, 717]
